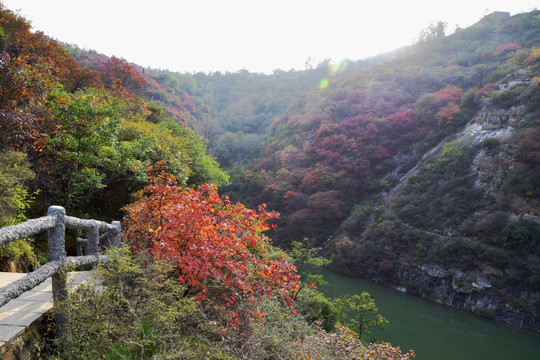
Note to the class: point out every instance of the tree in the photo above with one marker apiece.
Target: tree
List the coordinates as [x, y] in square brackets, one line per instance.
[528, 149]
[15, 173]
[81, 156]
[522, 234]
[217, 247]
[22, 88]
[433, 31]
[204, 168]
[365, 314]
[91, 146]
[123, 78]
[15, 199]
[312, 304]
[304, 256]
[325, 206]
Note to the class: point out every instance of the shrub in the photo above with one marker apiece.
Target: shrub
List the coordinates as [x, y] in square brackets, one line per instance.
[315, 307]
[533, 282]
[491, 224]
[506, 99]
[344, 344]
[484, 91]
[458, 252]
[217, 247]
[490, 143]
[357, 220]
[134, 308]
[17, 256]
[522, 234]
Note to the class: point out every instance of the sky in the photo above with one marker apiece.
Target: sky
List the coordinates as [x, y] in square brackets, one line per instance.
[256, 35]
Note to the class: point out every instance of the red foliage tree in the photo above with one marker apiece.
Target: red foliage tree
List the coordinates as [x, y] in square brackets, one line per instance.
[123, 78]
[217, 246]
[325, 205]
[447, 114]
[441, 105]
[506, 48]
[402, 121]
[22, 89]
[449, 94]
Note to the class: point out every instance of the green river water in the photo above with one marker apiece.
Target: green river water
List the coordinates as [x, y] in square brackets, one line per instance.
[437, 332]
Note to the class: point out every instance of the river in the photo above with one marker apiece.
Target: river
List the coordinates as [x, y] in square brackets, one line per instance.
[436, 332]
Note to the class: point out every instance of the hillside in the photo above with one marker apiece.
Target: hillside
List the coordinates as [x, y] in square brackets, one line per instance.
[84, 137]
[417, 169]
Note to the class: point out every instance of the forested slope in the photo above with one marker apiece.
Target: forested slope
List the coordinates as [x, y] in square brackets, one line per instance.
[82, 137]
[418, 169]
[196, 277]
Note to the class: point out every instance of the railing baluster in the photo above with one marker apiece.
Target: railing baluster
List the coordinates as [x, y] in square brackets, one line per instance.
[115, 238]
[92, 235]
[57, 252]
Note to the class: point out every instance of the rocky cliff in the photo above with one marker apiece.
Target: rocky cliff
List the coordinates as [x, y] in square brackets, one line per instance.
[487, 189]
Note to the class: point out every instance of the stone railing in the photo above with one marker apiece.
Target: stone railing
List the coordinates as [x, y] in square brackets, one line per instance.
[55, 223]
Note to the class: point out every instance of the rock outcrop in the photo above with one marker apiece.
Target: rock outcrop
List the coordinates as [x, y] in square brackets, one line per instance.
[473, 291]
[490, 290]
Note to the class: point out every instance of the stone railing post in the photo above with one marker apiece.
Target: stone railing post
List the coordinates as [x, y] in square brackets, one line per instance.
[115, 239]
[57, 252]
[92, 235]
[56, 235]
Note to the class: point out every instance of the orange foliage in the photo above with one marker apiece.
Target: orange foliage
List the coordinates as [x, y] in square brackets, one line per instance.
[533, 57]
[123, 78]
[447, 114]
[216, 246]
[506, 48]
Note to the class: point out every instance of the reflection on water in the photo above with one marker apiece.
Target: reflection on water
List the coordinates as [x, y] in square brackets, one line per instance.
[438, 332]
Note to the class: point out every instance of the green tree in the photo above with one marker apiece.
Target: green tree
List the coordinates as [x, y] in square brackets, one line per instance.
[83, 144]
[432, 32]
[204, 168]
[15, 174]
[523, 234]
[310, 302]
[305, 257]
[366, 316]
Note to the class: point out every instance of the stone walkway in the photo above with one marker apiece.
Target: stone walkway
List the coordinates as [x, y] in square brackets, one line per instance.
[19, 313]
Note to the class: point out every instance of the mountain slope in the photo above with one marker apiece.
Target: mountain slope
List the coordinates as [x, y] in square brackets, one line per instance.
[420, 171]
[461, 228]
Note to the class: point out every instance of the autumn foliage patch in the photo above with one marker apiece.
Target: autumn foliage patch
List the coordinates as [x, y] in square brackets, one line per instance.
[217, 247]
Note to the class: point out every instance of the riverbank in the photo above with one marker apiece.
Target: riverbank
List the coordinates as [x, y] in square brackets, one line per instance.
[435, 331]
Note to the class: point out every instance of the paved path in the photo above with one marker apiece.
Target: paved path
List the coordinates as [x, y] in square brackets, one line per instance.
[19, 313]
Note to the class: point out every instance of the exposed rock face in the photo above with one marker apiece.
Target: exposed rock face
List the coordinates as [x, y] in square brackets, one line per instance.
[483, 291]
[473, 291]
[490, 167]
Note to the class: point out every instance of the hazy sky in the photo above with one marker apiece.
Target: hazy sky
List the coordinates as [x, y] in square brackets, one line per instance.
[257, 35]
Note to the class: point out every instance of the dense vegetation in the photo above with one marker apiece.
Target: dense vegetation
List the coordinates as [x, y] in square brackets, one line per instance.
[331, 148]
[329, 145]
[363, 160]
[198, 279]
[210, 288]
[81, 137]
